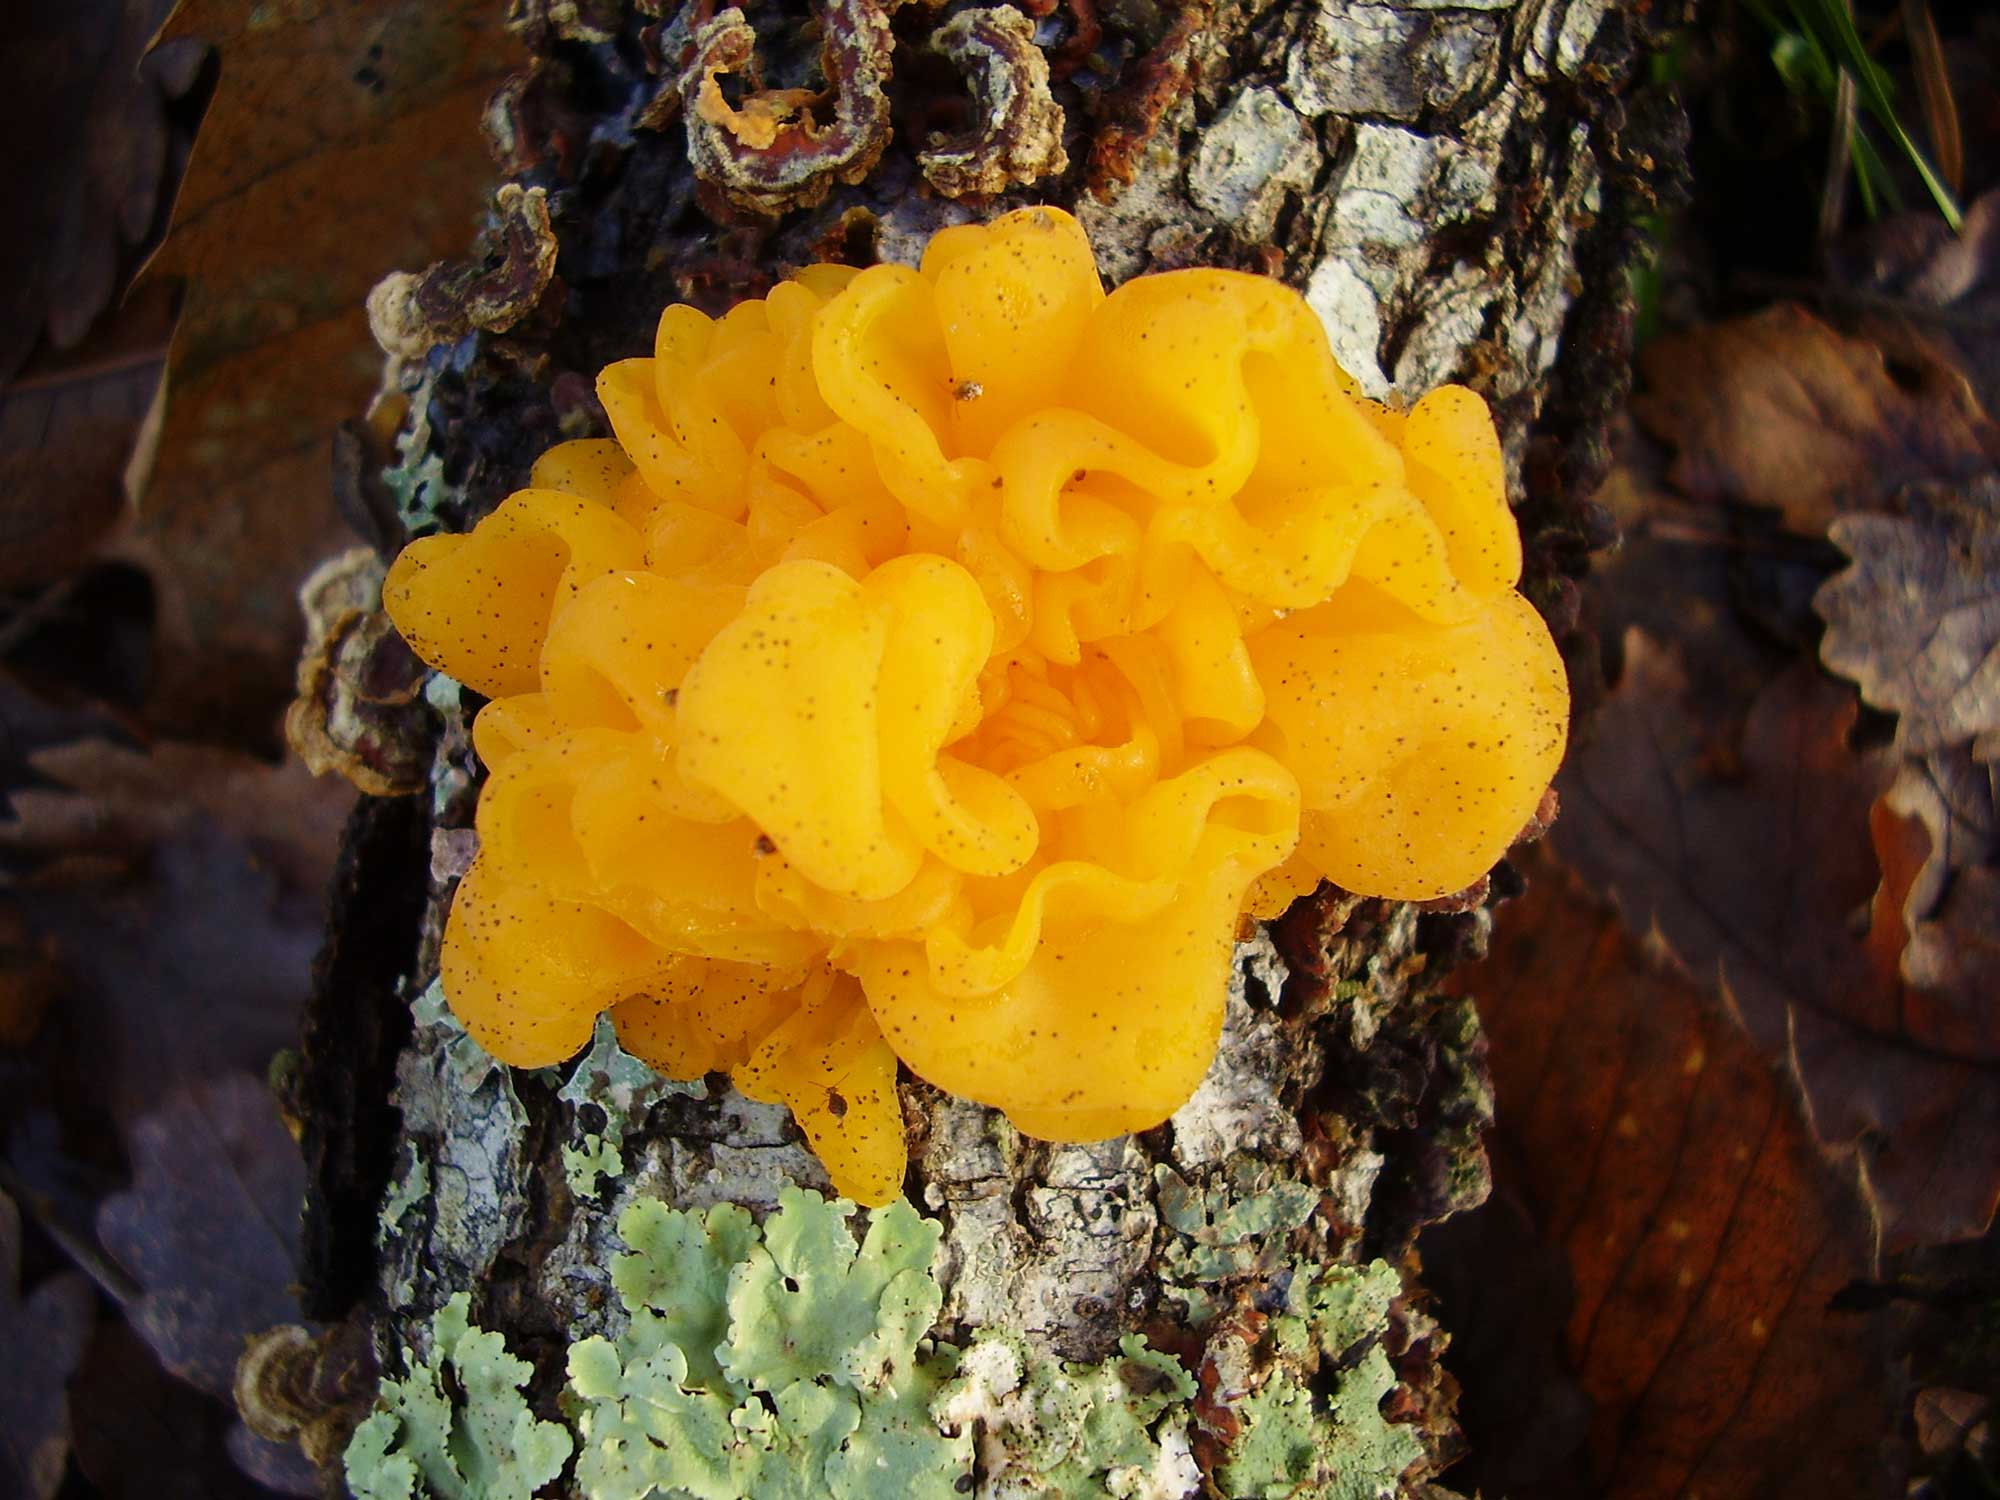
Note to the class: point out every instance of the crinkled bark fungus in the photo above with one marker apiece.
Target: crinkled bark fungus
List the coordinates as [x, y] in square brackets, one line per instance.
[941, 662]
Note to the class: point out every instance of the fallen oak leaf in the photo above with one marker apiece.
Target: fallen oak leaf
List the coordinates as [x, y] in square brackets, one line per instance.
[110, 798]
[1691, 576]
[89, 140]
[44, 1335]
[1782, 410]
[1911, 277]
[1750, 859]
[1955, 797]
[1936, 831]
[194, 963]
[181, 894]
[1704, 1236]
[210, 1227]
[1503, 1288]
[143, 1435]
[341, 143]
[1949, 948]
[1915, 617]
[73, 439]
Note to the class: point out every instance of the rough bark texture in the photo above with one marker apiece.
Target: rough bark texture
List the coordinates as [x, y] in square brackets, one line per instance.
[1454, 188]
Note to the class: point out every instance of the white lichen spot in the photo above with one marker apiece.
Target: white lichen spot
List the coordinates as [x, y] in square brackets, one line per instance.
[452, 853]
[988, 1375]
[1172, 1475]
[1250, 155]
[1450, 317]
[1353, 1187]
[1579, 29]
[1382, 185]
[1236, 1106]
[1390, 62]
[1352, 315]
[1122, 228]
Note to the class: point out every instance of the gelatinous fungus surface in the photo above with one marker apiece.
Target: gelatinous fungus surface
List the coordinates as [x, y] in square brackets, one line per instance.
[940, 662]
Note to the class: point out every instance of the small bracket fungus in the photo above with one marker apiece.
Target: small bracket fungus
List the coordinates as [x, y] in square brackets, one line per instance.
[839, 720]
[770, 153]
[411, 314]
[1018, 126]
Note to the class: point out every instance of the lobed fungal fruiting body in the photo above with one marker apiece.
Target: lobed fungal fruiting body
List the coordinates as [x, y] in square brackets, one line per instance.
[940, 662]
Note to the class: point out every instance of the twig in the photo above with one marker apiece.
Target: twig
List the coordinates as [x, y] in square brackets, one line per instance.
[93, 1262]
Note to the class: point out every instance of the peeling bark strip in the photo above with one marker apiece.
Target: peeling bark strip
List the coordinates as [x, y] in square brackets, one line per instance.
[1455, 190]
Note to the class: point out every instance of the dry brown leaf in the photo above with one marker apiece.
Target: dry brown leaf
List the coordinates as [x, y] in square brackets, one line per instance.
[182, 894]
[1752, 858]
[1935, 833]
[43, 1334]
[1704, 1236]
[1915, 619]
[342, 144]
[1782, 410]
[1910, 279]
[68, 429]
[114, 800]
[143, 1435]
[86, 143]
[210, 1227]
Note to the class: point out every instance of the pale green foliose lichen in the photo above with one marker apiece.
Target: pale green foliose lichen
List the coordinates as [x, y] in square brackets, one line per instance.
[1078, 1431]
[768, 1366]
[1295, 1445]
[404, 1195]
[789, 1363]
[471, 1437]
[417, 478]
[588, 1161]
[623, 1089]
[1235, 1227]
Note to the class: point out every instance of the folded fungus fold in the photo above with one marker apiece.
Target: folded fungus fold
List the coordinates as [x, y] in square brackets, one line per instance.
[938, 665]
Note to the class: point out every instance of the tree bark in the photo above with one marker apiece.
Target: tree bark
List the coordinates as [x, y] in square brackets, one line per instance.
[1455, 190]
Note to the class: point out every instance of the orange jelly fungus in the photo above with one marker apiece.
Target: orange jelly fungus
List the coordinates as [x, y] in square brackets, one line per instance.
[941, 661]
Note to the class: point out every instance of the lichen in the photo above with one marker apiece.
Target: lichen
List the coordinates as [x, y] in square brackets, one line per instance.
[416, 480]
[1292, 1441]
[789, 1362]
[1057, 1428]
[405, 1194]
[592, 1158]
[1292, 1448]
[609, 1092]
[1234, 1228]
[448, 1088]
[456, 1427]
[766, 1365]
